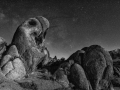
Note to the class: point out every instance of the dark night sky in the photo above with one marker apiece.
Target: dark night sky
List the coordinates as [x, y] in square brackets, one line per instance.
[74, 23]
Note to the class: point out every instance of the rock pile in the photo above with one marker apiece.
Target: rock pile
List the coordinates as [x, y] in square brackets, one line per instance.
[26, 64]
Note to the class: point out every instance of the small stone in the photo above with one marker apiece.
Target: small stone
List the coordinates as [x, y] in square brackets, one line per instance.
[14, 70]
[13, 51]
[5, 59]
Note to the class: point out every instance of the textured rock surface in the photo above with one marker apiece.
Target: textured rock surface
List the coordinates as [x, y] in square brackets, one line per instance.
[98, 67]
[19, 70]
[115, 54]
[66, 66]
[11, 65]
[29, 40]
[30, 83]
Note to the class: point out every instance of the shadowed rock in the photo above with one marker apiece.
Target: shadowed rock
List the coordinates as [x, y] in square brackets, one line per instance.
[61, 77]
[115, 54]
[29, 40]
[77, 56]
[98, 66]
[90, 68]
[116, 82]
[78, 77]
[66, 66]
[54, 64]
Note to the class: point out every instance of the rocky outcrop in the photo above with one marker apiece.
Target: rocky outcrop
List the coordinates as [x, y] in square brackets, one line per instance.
[29, 40]
[26, 50]
[26, 64]
[22, 61]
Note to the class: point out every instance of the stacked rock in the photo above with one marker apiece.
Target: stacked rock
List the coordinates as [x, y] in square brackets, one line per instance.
[91, 69]
[26, 50]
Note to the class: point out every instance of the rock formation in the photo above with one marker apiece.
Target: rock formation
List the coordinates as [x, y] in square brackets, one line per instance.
[98, 66]
[115, 54]
[26, 64]
[26, 50]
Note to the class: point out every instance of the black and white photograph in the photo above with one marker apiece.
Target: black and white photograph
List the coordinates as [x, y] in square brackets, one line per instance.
[59, 44]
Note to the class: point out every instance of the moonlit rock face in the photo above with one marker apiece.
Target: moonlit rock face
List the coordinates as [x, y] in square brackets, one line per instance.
[26, 50]
[30, 33]
[13, 69]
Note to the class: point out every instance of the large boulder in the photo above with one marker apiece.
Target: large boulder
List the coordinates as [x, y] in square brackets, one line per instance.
[12, 65]
[98, 66]
[11, 53]
[29, 39]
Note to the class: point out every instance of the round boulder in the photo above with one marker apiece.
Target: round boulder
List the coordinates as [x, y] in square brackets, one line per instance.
[78, 77]
[98, 66]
